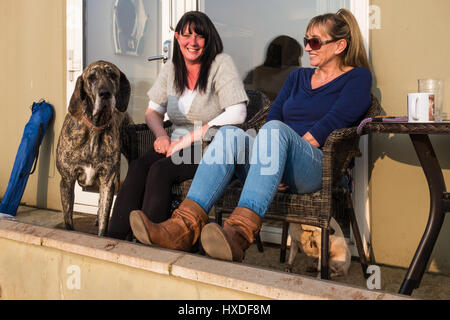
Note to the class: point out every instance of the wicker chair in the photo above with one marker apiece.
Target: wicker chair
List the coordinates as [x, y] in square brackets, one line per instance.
[314, 209]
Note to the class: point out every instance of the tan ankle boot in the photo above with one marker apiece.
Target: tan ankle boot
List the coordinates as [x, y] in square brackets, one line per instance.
[230, 242]
[180, 232]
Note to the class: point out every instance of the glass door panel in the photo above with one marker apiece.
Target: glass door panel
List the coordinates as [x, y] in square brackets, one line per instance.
[126, 33]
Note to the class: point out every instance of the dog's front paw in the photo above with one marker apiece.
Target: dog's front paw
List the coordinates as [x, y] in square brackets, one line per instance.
[68, 222]
[69, 226]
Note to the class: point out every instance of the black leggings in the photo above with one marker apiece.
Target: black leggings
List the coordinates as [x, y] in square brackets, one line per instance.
[147, 187]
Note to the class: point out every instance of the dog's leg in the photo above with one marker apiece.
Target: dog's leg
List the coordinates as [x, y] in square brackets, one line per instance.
[67, 199]
[105, 203]
[292, 253]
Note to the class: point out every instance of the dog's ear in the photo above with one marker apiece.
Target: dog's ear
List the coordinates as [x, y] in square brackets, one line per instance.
[78, 96]
[123, 94]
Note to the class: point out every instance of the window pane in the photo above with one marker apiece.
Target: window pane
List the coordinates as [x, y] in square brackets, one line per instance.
[264, 37]
[126, 33]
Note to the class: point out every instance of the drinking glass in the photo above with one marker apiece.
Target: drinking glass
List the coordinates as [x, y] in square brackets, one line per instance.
[435, 86]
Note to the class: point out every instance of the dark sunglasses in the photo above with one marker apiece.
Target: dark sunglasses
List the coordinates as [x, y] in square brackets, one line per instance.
[315, 43]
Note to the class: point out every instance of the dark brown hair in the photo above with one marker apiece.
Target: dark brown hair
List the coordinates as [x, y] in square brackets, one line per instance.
[202, 25]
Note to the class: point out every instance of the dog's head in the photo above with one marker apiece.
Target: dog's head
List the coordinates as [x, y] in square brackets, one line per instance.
[101, 85]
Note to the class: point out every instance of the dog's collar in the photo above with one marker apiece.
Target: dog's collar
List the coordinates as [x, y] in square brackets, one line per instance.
[92, 126]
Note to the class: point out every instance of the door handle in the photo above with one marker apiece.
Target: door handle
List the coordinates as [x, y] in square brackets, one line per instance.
[166, 53]
[155, 58]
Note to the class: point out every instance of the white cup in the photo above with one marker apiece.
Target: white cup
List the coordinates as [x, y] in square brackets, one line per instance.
[421, 107]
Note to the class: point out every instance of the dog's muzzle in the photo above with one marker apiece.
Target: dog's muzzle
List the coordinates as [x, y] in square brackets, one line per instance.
[104, 98]
[105, 94]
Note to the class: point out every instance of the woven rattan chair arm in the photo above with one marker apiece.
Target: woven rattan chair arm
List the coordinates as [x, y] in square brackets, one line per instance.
[257, 121]
[139, 139]
[340, 148]
[340, 144]
[338, 136]
[257, 110]
[144, 126]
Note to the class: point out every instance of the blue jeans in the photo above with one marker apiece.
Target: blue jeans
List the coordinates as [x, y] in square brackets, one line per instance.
[277, 154]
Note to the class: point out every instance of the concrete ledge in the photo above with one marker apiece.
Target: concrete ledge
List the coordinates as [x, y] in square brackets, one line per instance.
[266, 284]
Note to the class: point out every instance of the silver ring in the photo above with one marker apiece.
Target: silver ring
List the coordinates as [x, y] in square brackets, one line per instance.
[158, 148]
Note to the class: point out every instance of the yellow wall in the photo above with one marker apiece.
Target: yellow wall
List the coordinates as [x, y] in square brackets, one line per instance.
[32, 51]
[411, 44]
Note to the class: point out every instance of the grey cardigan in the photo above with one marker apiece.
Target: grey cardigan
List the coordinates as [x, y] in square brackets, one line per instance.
[224, 89]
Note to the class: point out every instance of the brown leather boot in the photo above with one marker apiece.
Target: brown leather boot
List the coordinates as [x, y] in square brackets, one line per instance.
[230, 242]
[180, 232]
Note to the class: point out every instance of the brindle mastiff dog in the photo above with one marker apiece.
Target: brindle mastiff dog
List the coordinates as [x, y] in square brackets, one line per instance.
[88, 148]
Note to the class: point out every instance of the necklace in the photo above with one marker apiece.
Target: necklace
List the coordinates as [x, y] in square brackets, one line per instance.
[322, 81]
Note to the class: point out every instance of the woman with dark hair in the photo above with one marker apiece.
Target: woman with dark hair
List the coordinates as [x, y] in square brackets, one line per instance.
[286, 154]
[198, 89]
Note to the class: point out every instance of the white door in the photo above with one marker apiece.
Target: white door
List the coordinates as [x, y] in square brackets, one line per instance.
[265, 40]
[126, 33]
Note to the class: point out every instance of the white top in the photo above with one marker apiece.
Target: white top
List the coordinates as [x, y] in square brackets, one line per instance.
[234, 114]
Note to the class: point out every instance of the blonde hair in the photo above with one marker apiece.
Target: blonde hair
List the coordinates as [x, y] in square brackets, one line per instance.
[343, 25]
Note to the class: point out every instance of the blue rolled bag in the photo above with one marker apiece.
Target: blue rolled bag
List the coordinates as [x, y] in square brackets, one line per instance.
[27, 154]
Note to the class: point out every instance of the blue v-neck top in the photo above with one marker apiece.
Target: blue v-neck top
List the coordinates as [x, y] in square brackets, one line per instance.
[341, 103]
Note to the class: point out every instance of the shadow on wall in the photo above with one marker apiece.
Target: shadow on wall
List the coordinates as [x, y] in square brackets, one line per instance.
[282, 57]
[399, 148]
